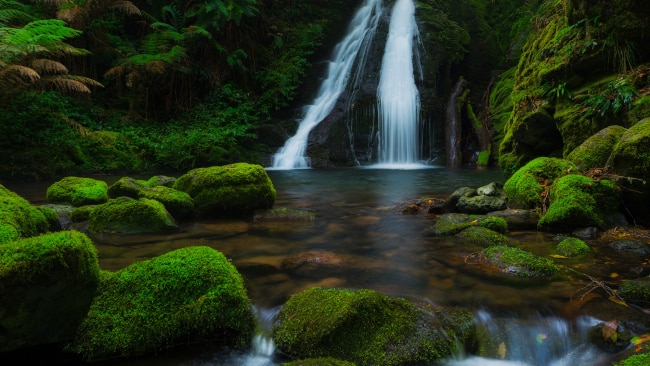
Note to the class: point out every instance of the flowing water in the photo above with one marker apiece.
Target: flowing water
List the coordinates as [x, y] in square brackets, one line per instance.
[360, 32]
[399, 99]
[359, 218]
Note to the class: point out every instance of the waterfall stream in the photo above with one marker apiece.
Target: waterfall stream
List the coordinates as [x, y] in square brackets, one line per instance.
[292, 154]
[399, 99]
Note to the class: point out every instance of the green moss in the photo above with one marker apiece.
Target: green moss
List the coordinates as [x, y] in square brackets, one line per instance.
[450, 224]
[640, 109]
[636, 291]
[524, 188]
[52, 218]
[126, 215]
[230, 190]
[47, 283]
[19, 219]
[573, 247]
[77, 191]
[635, 360]
[595, 151]
[80, 214]
[483, 237]
[127, 187]
[179, 204]
[190, 295]
[579, 201]
[327, 361]
[367, 328]
[519, 262]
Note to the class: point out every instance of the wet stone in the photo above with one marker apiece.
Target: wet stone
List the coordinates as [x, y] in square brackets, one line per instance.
[631, 246]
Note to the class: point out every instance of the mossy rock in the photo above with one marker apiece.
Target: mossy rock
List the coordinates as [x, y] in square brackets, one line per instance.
[635, 360]
[520, 263]
[595, 151]
[125, 215]
[19, 219]
[477, 235]
[230, 190]
[179, 204]
[640, 109]
[80, 214]
[47, 283]
[524, 188]
[161, 180]
[52, 218]
[573, 247]
[78, 191]
[190, 295]
[325, 361]
[636, 291]
[127, 187]
[631, 159]
[578, 201]
[453, 223]
[368, 328]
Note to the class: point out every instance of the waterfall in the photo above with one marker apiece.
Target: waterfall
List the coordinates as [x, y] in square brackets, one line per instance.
[399, 99]
[292, 154]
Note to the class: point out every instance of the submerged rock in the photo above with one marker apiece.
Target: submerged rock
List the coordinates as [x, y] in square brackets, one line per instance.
[190, 295]
[317, 263]
[520, 263]
[483, 237]
[369, 328]
[47, 283]
[518, 219]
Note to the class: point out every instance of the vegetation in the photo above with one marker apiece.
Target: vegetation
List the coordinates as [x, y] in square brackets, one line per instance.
[189, 295]
[573, 247]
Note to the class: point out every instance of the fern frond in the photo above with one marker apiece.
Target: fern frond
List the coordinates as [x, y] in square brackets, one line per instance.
[116, 72]
[82, 130]
[126, 7]
[73, 15]
[63, 84]
[17, 75]
[12, 12]
[47, 66]
[156, 67]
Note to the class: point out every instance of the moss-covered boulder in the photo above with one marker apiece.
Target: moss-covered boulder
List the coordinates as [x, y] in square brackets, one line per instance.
[573, 247]
[636, 291]
[230, 190]
[631, 159]
[368, 328]
[325, 361]
[78, 191]
[483, 237]
[635, 360]
[453, 223]
[524, 188]
[595, 151]
[19, 219]
[520, 263]
[179, 204]
[125, 215]
[190, 295]
[578, 201]
[47, 283]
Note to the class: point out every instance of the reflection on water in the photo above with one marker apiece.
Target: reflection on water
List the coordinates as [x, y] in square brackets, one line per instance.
[358, 221]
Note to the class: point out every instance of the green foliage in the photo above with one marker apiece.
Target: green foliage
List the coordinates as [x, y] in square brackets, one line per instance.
[612, 99]
[556, 90]
[635, 360]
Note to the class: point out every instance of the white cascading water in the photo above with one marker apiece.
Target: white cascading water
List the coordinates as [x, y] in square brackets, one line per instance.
[399, 99]
[292, 154]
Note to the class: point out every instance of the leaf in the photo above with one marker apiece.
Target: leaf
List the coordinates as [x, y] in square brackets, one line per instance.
[615, 299]
[609, 330]
[558, 256]
[502, 350]
[640, 339]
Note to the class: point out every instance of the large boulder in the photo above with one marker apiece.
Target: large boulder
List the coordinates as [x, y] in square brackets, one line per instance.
[524, 188]
[577, 201]
[125, 215]
[78, 191]
[230, 190]
[369, 328]
[47, 283]
[630, 160]
[190, 295]
[19, 219]
[595, 151]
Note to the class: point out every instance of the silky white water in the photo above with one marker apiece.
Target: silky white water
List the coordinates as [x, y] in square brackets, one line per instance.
[292, 154]
[399, 99]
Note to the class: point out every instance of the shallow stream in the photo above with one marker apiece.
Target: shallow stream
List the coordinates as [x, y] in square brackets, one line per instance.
[359, 220]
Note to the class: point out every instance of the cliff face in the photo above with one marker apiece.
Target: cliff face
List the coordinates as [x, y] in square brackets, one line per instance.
[584, 66]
